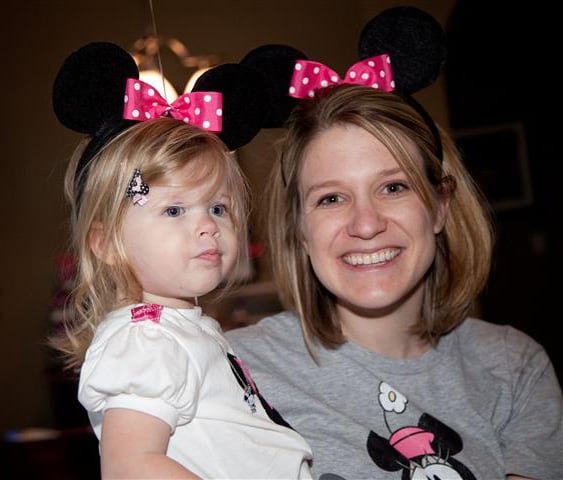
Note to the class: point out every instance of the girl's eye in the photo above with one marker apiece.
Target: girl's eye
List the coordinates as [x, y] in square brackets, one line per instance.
[395, 188]
[218, 210]
[329, 199]
[174, 211]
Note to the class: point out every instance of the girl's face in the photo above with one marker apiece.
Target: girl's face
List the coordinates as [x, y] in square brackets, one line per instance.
[369, 237]
[182, 242]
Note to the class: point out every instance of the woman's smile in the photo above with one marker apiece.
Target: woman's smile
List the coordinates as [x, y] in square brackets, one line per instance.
[379, 257]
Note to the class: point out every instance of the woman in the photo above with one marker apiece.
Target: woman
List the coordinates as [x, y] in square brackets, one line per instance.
[380, 245]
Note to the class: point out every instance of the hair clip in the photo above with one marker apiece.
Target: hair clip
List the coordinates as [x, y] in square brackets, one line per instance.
[137, 188]
[310, 76]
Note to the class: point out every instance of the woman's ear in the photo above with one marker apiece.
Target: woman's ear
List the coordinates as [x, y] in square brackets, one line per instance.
[445, 191]
[98, 243]
[441, 213]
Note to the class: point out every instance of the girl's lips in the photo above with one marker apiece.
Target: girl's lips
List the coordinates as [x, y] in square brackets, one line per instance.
[212, 255]
[374, 258]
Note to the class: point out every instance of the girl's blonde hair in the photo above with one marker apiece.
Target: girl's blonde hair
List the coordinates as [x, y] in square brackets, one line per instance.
[462, 262]
[97, 195]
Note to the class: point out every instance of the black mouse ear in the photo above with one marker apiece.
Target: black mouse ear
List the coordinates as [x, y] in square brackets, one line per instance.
[90, 86]
[415, 42]
[275, 62]
[244, 101]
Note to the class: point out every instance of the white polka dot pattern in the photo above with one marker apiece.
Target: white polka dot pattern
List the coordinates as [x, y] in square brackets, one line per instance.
[373, 72]
[202, 109]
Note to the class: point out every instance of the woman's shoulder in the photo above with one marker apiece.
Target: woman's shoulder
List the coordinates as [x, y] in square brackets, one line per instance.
[273, 326]
[280, 331]
[500, 344]
[474, 330]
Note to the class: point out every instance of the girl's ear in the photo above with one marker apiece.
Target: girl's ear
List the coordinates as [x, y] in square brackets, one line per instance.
[98, 243]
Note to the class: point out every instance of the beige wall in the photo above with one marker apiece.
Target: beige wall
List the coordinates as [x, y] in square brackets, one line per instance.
[37, 36]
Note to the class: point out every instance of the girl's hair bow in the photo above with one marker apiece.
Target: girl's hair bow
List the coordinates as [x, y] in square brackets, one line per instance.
[142, 102]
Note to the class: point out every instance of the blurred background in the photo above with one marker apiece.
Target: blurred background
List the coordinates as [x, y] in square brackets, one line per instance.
[497, 95]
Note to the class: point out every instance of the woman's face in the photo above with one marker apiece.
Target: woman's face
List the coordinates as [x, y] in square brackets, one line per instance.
[369, 237]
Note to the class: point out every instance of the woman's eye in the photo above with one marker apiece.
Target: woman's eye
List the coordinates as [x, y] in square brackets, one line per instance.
[174, 211]
[329, 199]
[395, 188]
[218, 210]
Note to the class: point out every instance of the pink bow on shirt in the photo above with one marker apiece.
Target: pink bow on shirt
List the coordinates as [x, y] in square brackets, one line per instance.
[150, 312]
[372, 72]
[142, 102]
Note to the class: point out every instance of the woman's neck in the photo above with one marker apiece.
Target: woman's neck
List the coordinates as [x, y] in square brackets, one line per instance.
[388, 334]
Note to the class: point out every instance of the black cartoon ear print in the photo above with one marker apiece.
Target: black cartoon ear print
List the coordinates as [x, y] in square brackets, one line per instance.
[414, 40]
[445, 438]
[275, 64]
[90, 85]
[383, 454]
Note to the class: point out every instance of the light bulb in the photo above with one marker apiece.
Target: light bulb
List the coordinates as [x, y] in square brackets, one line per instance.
[160, 83]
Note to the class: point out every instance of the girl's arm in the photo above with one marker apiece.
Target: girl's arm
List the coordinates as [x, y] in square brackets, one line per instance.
[133, 445]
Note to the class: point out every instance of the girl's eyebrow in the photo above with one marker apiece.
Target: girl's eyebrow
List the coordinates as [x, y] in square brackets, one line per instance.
[387, 172]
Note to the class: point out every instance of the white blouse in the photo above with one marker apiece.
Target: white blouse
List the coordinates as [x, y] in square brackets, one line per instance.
[180, 368]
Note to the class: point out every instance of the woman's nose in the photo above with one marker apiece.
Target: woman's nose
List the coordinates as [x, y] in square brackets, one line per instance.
[366, 220]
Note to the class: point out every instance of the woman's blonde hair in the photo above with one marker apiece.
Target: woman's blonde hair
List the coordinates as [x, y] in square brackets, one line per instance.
[97, 195]
[461, 266]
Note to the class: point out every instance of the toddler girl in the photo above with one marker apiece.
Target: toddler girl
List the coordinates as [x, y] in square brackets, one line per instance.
[158, 214]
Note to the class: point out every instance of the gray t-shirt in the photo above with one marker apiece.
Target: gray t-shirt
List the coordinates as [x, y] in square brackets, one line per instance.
[483, 404]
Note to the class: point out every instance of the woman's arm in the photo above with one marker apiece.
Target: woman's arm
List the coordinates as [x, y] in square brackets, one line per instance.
[133, 445]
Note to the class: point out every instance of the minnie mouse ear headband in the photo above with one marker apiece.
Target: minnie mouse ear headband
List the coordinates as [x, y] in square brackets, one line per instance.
[97, 92]
[402, 50]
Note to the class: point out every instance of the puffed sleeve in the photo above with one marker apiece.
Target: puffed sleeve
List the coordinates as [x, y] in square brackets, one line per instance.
[141, 367]
[533, 435]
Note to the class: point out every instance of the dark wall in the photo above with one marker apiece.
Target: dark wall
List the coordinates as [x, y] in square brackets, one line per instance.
[501, 72]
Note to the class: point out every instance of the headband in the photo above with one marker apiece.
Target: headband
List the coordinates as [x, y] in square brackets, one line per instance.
[97, 92]
[402, 49]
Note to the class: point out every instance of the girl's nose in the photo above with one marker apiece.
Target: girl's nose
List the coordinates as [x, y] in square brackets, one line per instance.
[207, 226]
[366, 220]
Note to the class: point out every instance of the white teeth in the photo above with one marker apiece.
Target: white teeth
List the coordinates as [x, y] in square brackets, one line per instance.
[372, 258]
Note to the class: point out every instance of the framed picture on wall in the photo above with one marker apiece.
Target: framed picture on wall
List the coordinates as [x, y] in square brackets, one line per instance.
[496, 156]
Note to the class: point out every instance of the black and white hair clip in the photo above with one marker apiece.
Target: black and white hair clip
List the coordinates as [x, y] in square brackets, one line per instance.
[137, 189]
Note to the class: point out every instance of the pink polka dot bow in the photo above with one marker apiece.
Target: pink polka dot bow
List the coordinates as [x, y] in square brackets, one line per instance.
[143, 102]
[372, 72]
